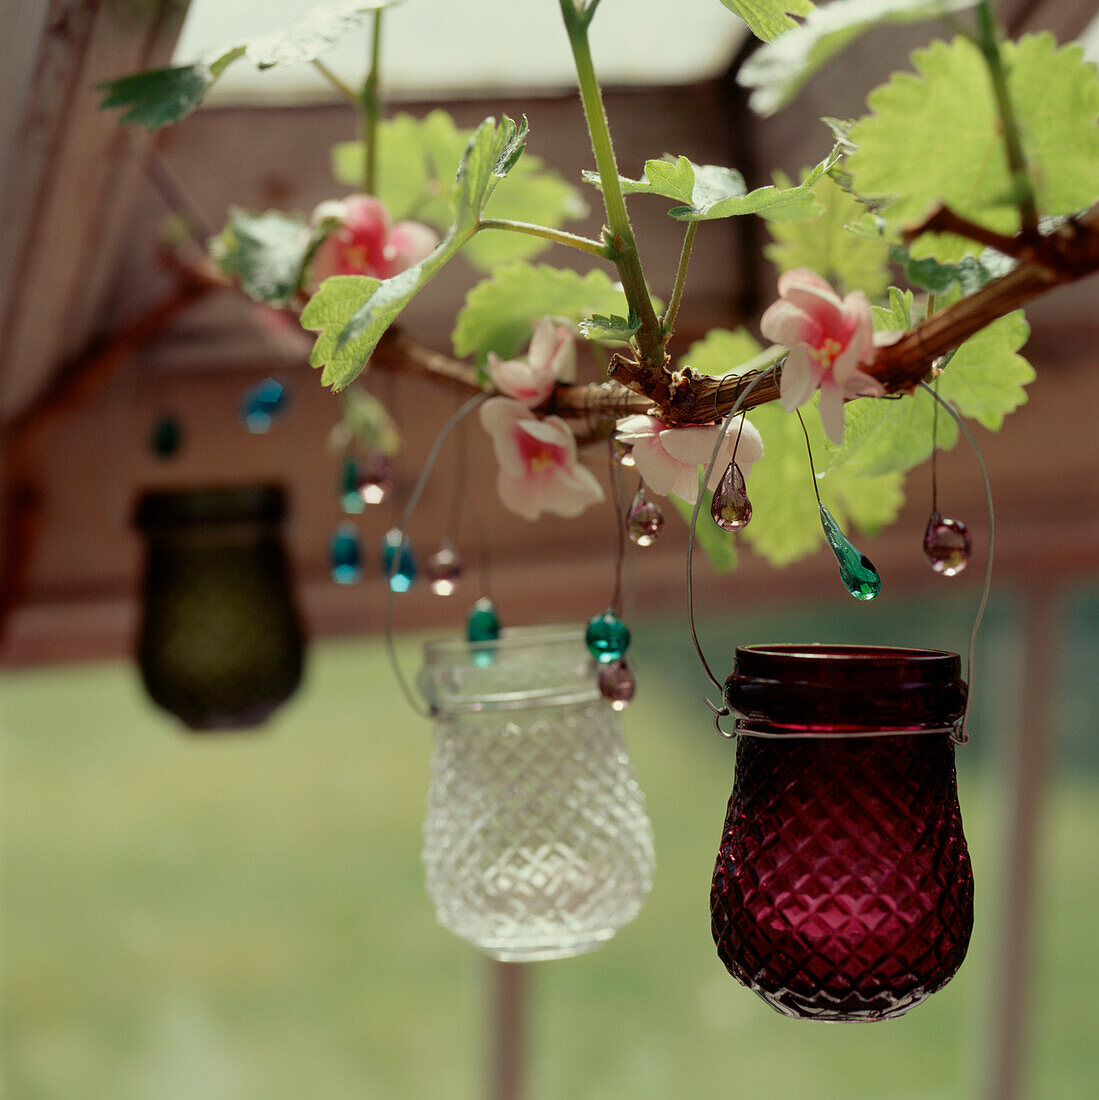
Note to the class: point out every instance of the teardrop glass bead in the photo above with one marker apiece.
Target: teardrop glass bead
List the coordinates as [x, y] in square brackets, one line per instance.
[617, 683]
[166, 436]
[345, 555]
[444, 569]
[607, 637]
[261, 404]
[482, 630]
[857, 571]
[947, 545]
[350, 500]
[375, 478]
[398, 562]
[644, 520]
[731, 509]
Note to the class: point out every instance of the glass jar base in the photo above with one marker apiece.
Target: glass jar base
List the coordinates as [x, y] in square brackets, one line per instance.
[544, 949]
[847, 1011]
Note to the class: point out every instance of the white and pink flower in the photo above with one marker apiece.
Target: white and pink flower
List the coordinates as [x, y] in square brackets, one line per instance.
[551, 358]
[829, 339]
[668, 459]
[539, 469]
[365, 243]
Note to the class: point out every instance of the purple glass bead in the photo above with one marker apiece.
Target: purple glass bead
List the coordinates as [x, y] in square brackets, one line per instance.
[947, 545]
[444, 569]
[730, 508]
[644, 520]
[375, 478]
[617, 683]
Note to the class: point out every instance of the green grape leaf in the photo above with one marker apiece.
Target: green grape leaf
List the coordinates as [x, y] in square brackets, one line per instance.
[986, 376]
[366, 423]
[721, 352]
[968, 275]
[767, 19]
[314, 34]
[159, 97]
[328, 312]
[498, 312]
[785, 519]
[719, 546]
[266, 253]
[1056, 97]
[610, 330]
[824, 245]
[778, 70]
[897, 316]
[415, 178]
[491, 152]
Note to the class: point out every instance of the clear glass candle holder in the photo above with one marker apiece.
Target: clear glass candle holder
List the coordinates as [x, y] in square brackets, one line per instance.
[536, 842]
[843, 888]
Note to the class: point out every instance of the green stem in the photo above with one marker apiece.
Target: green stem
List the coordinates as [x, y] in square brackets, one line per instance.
[371, 109]
[626, 258]
[557, 236]
[341, 86]
[1022, 183]
[672, 311]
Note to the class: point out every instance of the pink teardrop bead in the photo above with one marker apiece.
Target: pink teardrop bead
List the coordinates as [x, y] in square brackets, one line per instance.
[731, 509]
[947, 545]
[644, 520]
[617, 683]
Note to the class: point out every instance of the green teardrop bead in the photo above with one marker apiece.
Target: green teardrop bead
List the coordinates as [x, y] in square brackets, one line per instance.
[482, 629]
[857, 571]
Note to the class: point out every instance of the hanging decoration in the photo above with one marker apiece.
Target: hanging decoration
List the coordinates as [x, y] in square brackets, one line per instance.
[644, 520]
[166, 437]
[536, 843]
[399, 565]
[843, 888]
[947, 544]
[375, 478]
[262, 405]
[220, 646]
[351, 500]
[345, 555]
[444, 569]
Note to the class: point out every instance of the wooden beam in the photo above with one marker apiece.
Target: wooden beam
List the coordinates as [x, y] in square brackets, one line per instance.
[66, 195]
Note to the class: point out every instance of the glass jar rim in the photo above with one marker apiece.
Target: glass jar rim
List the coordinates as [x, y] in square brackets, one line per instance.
[513, 640]
[834, 689]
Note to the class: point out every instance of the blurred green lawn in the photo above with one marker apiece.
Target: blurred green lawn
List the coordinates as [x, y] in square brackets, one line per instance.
[242, 917]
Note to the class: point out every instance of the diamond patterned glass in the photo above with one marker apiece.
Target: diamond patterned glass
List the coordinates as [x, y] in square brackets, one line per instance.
[843, 888]
[220, 646]
[536, 843]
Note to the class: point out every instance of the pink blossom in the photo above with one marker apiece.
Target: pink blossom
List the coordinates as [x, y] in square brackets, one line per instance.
[365, 244]
[668, 459]
[828, 338]
[539, 470]
[551, 357]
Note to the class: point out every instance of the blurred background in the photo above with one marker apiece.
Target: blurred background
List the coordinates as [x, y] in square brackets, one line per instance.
[243, 916]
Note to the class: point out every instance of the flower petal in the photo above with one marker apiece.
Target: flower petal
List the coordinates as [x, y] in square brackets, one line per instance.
[831, 411]
[638, 428]
[657, 468]
[786, 324]
[798, 379]
[408, 244]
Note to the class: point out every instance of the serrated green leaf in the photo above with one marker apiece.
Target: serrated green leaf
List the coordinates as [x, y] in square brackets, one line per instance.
[824, 245]
[328, 312]
[785, 519]
[613, 329]
[775, 203]
[767, 19]
[968, 275]
[778, 70]
[264, 252]
[158, 97]
[719, 546]
[986, 376]
[498, 312]
[721, 352]
[1056, 97]
[366, 422]
[312, 35]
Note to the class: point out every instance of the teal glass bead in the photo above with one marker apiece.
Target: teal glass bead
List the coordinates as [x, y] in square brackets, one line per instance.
[261, 404]
[166, 436]
[482, 630]
[350, 498]
[607, 637]
[398, 562]
[345, 555]
[857, 571]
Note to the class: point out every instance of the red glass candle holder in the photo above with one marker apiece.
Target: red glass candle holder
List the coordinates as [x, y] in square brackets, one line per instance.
[843, 888]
